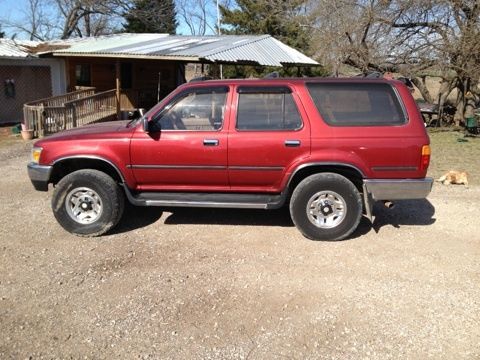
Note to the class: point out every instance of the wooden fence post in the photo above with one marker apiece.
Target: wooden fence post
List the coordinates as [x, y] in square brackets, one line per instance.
[74, 116]
[41, 121]
[118, 86]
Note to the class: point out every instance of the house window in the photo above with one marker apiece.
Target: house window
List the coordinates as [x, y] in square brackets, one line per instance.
[82, 75]
[9, 88]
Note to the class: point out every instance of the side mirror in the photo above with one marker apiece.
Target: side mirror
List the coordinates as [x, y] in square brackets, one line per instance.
[150, 126]
[145, 126]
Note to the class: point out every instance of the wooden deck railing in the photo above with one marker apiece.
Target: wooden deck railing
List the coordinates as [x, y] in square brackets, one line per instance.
[62, 99]
[47, 116]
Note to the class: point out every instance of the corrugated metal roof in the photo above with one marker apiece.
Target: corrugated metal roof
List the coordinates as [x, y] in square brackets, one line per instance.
[15, 49]
[256, 49]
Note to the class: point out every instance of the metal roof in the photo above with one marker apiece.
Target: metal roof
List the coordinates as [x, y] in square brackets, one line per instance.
[15, 49]
[241, 49]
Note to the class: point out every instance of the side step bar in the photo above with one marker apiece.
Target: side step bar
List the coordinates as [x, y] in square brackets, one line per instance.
[212, 200]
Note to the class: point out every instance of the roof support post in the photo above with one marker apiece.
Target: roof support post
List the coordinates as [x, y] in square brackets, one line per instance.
[118, 87]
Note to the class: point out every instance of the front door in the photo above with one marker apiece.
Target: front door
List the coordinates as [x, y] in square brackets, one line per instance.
[186, 146]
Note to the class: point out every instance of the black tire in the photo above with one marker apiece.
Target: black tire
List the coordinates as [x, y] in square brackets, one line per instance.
[98, 198]
[339, 214]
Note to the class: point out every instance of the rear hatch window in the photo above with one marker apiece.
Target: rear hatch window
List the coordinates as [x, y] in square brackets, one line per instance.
[357, 104]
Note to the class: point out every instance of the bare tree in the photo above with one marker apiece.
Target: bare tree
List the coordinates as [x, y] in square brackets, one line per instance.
[197, 15]
[450, 30]
[47, 19]
[36, 21]
[200, 16]
[89, 17]
[415, 37]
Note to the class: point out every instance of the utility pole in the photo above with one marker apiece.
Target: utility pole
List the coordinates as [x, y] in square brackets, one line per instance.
[219, 33]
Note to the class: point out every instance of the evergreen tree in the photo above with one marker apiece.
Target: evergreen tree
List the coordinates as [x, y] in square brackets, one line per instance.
[151, 16]
[280, 18]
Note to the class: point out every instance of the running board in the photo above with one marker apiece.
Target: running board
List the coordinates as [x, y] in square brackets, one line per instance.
[212, 200]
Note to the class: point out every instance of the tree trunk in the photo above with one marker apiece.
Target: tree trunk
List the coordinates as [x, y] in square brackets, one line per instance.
[463, 86]
[446, 88]
[420, 83]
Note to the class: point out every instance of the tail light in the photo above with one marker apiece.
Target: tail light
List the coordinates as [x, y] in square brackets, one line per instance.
[425, 157]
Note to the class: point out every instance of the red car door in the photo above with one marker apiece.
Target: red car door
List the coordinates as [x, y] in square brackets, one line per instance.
[186, 146]
[268, 134]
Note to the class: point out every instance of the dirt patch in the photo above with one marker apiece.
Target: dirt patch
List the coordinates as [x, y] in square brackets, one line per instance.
[237, 284]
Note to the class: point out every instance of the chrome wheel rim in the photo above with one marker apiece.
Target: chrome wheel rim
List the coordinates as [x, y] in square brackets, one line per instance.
[83, 205]
[326, 209]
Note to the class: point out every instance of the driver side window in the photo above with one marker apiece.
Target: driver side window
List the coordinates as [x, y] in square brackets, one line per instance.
[199, 109]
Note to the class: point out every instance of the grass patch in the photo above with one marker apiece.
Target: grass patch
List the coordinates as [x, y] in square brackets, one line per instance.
[448, 153]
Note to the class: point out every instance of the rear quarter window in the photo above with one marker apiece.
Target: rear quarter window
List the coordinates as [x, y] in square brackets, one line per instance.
[267, 109]
[357, 104]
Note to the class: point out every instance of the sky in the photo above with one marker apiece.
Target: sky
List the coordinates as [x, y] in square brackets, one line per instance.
[10, 9]
[13, 11]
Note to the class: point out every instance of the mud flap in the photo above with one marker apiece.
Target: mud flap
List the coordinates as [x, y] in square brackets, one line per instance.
[367, 203]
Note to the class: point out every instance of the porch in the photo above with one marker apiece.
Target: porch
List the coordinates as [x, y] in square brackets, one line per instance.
[77, 108]
[129, 71]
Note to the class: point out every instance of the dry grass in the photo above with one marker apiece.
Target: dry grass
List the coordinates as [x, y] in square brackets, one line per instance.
[450, 152]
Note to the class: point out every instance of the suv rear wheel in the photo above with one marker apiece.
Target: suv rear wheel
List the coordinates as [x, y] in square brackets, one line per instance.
[88, 202]
[326, 206]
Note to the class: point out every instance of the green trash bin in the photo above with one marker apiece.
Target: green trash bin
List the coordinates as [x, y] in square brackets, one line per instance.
[472, 125]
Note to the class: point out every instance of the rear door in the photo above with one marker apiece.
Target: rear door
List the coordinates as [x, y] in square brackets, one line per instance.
[268, 134]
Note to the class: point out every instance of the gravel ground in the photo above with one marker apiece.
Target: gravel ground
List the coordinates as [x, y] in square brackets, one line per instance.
[232, 284]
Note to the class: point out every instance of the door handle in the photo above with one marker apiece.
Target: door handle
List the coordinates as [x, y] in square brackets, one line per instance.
[292, 143]
[210, 142]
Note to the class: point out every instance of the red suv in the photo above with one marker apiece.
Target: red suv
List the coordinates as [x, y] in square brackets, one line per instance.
[326, 147]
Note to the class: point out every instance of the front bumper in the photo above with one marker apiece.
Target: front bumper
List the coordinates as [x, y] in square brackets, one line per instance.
[391, 189]
[39, 175]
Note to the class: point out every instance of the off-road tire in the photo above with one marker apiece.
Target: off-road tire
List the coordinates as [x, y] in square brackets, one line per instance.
[341, 189]
[106, 191]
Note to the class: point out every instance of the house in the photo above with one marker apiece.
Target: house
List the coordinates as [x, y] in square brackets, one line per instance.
[25, 77]
[150, 66]
[139, 70]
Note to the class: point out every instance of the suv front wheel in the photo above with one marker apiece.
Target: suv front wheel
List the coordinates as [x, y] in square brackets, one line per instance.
[88, 202]
[326, 206]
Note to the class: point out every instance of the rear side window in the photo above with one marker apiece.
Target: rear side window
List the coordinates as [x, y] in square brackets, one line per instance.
[357, 104]
[267, 109]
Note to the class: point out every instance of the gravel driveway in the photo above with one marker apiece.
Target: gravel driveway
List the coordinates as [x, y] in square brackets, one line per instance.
[237, 284]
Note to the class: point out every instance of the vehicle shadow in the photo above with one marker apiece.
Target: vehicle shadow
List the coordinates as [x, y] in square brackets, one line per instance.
[405, 212]
[279, 217]
[136, 217]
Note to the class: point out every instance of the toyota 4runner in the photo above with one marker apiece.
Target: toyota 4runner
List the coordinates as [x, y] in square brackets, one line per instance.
[327, 148]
